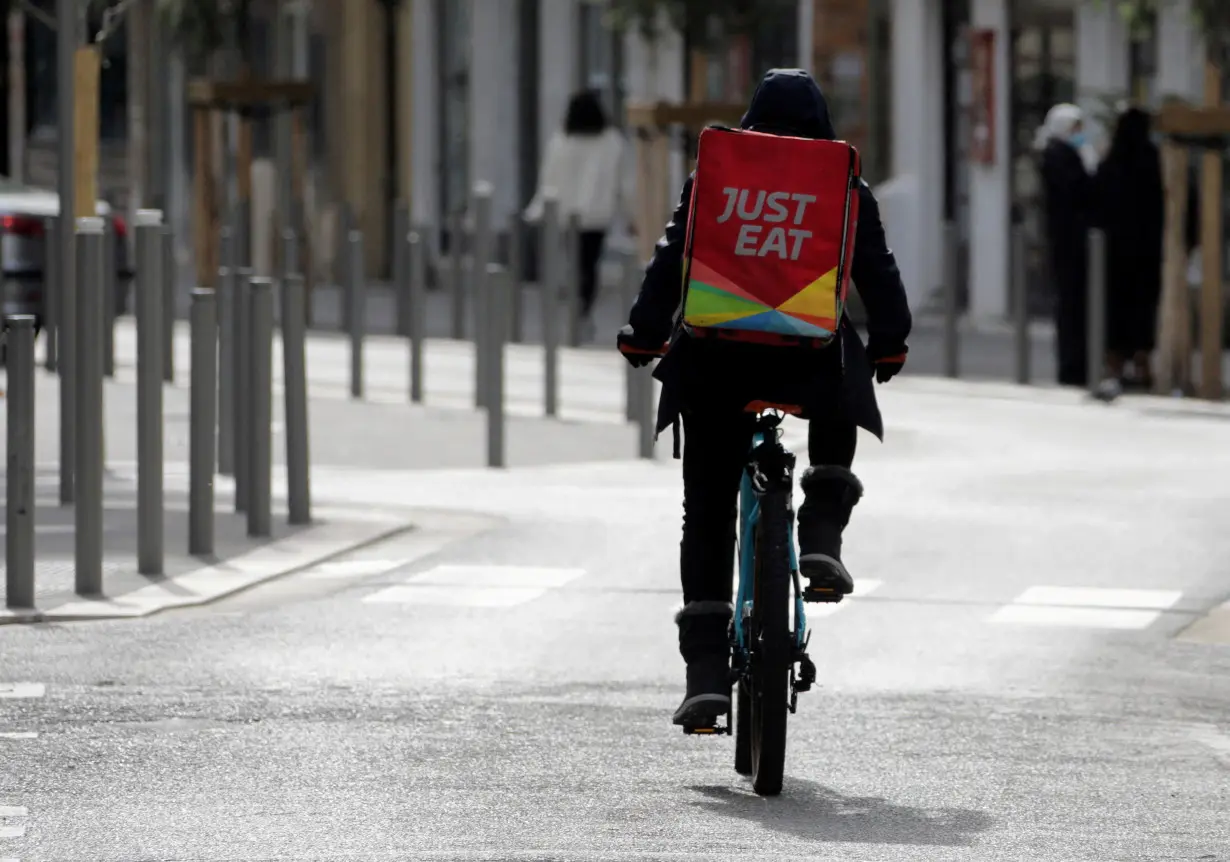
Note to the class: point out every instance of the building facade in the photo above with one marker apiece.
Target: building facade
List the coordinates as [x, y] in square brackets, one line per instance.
[962, 154]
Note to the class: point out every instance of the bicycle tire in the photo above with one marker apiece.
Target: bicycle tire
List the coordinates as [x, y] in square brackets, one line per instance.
[772, 653]
[743, 729]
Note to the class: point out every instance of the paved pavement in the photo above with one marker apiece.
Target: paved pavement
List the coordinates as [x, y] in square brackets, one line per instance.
[1011, 683]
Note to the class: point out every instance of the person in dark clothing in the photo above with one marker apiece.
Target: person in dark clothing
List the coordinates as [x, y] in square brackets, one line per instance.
[1131, 209]
[1068, 191]
[709, 385]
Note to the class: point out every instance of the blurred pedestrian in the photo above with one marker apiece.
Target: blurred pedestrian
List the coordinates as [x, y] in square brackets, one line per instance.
[1068, 194]
[1131, 207]
[585, 166]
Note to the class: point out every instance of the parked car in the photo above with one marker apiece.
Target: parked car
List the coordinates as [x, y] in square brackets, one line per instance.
[23, 249]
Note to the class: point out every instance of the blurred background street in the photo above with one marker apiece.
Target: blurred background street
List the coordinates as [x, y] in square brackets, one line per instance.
[334, 530]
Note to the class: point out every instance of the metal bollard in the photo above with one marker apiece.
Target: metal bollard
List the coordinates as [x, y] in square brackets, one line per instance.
[110, 296]
[648, 414]
[417, 253]
[202, 421]
[1020, 304]
[170, 276]
[66, 301]
[572, 279]
[516, 277]
[456, 277]
[19, 458]
[51, 289]
[549, 268]
[224, 311]
[243, 233]
[631, 286]
[952, 337]
[260, 419]
[480, 289]
[90, 417]
[290, 252]
[150, 320]
[243, 378]
[356, 299]
[342, 265]
[1097, 308]
[498, 286]
[400, 266]
[294, 385]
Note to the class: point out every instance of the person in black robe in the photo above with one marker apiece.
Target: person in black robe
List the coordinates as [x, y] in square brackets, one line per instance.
[1132, 210]
[1068, 193]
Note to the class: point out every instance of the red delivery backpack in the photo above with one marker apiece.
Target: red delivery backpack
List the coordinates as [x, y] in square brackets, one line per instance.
[770, 238]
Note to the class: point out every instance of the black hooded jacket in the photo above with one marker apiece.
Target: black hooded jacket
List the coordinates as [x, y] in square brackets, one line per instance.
[700, 373]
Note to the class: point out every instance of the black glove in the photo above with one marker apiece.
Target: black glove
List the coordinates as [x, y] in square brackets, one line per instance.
[887, 360]
[637, 351]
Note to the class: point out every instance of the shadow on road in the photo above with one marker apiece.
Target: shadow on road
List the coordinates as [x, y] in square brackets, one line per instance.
[811, 812]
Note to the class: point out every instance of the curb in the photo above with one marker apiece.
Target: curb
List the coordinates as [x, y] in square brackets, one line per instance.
[317, 544]
[1212, 628]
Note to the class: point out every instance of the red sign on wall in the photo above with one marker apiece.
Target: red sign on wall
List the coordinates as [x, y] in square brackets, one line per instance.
[982, 112]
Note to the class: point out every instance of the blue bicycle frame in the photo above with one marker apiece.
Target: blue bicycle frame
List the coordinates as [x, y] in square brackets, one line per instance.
[749, 515]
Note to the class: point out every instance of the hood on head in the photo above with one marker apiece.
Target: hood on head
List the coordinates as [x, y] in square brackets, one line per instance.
[789, 102]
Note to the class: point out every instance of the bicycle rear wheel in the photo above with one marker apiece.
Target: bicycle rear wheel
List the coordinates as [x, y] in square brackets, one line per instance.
[771, 654]
[743, 728]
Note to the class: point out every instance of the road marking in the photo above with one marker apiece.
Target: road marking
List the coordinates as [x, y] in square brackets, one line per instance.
[1091, 597]
[18, 734]
[1213, 739]
[11, 812]
[13, 690]
[1087, 607]
[476, 586]
[351, 569]
[1089, 618]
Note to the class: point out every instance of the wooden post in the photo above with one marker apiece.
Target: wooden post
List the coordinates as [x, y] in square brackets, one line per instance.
[1174, 322]
[86, 68]
[1211, 250]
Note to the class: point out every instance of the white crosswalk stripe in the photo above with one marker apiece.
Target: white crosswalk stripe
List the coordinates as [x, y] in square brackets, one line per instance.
[476, 586]
[9, 813]
[1087, 607]
[21, 690]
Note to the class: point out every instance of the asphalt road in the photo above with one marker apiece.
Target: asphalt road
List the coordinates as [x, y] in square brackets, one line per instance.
[498, 684]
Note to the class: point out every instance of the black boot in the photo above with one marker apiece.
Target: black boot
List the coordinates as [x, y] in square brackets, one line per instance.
[829, 495]
[704, 643]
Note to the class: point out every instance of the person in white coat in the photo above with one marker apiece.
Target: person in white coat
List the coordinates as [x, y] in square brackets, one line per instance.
[585, 165]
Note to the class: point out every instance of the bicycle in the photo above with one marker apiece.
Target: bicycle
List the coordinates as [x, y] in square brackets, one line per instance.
[769, 634]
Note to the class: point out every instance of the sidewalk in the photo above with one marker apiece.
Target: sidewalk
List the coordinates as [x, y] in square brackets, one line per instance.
[238, 562]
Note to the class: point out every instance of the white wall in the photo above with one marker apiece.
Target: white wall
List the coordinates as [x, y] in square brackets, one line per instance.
[493, 103]
[912, 201]
[1102, 61]
[557, 43]
[806, 34]
[990, 185]
[1180, 54]
[424, 140]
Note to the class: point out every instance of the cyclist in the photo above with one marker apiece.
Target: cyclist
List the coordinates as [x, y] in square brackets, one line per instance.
[710, 385]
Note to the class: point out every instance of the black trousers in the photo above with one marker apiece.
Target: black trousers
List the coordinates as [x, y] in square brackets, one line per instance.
[590, 253]
[716, 444]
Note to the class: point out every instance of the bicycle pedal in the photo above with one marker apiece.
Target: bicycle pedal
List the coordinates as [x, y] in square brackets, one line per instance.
[822, 595]
[707, 731]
